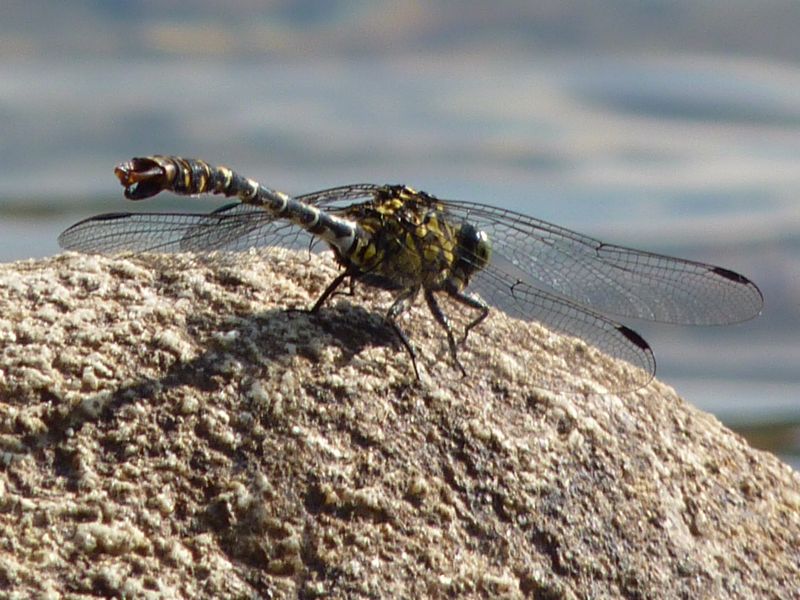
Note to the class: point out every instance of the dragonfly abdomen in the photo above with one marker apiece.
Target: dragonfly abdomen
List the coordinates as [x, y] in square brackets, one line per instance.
[147, 176]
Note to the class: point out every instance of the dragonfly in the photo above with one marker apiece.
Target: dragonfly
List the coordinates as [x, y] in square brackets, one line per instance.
[412, 243]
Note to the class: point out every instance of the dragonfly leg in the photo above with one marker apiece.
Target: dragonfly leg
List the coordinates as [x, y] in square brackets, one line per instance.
[330, 290]
[441, 318]
[398, 307]
[352, 290]
[472, 302]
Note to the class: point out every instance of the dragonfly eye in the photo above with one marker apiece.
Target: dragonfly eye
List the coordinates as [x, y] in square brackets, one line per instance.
[475, 248]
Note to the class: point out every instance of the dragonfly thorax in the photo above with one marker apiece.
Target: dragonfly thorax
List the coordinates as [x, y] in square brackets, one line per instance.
[406, 240]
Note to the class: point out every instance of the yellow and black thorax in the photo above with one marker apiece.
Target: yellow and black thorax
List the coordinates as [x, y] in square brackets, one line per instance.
[405, 240]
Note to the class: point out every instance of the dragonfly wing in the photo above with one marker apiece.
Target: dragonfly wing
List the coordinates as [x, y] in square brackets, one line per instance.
[612, 279]
[237, 226]
[231, 228]
[520, 300]
[341, 197]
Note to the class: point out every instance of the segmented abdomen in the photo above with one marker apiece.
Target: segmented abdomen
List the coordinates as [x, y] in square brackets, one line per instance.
[147, 176]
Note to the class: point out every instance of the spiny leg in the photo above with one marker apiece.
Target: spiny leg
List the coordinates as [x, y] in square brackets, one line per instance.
[330, 290]
[441, 318]
[352, 290]
[397, 308]
[472, 302]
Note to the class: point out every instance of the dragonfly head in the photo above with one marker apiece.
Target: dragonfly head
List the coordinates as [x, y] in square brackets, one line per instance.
[474, 250]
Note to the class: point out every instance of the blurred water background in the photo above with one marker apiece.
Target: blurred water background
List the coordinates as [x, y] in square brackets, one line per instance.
[670, 125]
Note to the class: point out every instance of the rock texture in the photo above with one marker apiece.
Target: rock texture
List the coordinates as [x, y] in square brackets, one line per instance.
[168, 429]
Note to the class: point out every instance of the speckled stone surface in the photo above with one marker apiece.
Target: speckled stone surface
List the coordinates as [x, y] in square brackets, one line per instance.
[169, 430]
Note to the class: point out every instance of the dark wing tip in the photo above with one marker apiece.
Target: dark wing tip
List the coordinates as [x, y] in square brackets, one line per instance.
[104, 217]
[67, 239]
[736, 278]
[732, 275]
[634, 337]
[637, 340]
[744, 282]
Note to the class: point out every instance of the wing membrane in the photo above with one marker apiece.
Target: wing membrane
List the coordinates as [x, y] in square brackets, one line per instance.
[612, 279]
[523, 301]
[233, 228]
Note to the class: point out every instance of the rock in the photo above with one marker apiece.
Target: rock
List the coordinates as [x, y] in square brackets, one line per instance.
[169, 429]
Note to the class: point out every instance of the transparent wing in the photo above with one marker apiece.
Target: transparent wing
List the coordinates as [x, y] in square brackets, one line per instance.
[608, 278]
[341, 197]
[522, 301]
[234, 227]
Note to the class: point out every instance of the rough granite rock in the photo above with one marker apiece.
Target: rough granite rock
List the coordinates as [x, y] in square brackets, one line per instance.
[168, 429]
